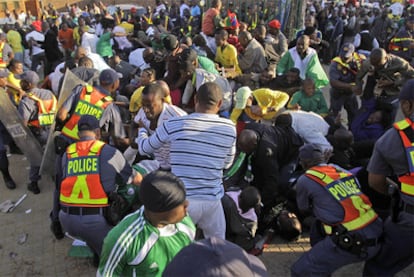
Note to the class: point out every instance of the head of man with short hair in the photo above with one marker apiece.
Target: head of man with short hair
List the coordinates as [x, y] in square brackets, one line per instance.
[216, 4]
[164, 198]
[378, 58]
[85, 62]
[244, 38]
[148, 55]
[249, 198]
[152, 101]
[221, 37]
[208, 98]
[147, 76]
[260, 33]
[308, 87]
[289, 225]
[302, 44]
[248, 141]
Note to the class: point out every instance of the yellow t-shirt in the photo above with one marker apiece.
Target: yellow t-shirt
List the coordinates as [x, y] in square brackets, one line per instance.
[227, 57]
[128, 27]
[265, 98]
[135, 103]
[136, 99]
[16, 82]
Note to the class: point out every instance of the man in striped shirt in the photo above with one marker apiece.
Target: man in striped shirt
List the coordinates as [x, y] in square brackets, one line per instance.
[202, 145]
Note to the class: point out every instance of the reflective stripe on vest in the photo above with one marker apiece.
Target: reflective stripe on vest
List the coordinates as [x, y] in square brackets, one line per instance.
[82, 185]
[344, 188]
[46, 111]
[407, 180]
[357, 58]
[91, 102]
[3, 64]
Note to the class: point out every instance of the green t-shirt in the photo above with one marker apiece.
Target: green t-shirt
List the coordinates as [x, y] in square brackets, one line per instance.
[136, 248]
[103, 46]
[207, 64]
[316, 103]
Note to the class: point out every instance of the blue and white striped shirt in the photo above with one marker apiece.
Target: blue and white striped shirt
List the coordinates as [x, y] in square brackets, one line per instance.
[202, 145]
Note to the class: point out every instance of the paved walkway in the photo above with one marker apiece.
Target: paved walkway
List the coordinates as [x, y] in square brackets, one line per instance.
[42, 255]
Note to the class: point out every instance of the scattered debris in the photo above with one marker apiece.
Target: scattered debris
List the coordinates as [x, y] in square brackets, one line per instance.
[8, 206]
[18, 202]
[12, 255]
[22, 238]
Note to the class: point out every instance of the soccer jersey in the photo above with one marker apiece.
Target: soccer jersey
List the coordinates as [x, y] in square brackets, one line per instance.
[136, 248]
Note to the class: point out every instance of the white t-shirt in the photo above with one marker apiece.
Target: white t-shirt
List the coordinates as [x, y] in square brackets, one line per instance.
[38, 37]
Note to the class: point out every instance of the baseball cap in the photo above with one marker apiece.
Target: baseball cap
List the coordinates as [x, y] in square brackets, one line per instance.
[170, 42]
[31, 77]
[309, 152]
[108, 77]
[347, 50]
[407, 91]
[4, 73]
[88, 123]
[274, 24]
[213, 257]
[133, 10]
[161, 191]
[242, 95]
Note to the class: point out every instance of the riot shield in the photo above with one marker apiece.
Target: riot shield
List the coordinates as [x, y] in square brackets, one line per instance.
[21, 135]
[70, 81]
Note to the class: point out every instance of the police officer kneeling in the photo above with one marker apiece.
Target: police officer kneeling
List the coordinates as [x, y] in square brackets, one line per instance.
[349, 229]
[90, 168]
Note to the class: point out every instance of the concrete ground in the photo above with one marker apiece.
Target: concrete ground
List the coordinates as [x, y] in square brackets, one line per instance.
[42, 255]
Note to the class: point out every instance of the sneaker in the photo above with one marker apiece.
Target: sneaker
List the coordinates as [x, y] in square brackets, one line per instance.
[33, 187]
[56, 229]
[10, 184]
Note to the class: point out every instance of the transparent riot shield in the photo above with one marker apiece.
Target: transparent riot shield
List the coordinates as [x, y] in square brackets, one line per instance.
[21, 135]
[70, 81]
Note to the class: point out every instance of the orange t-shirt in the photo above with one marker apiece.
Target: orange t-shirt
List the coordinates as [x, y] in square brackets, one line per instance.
[207, 26]
[66, 39]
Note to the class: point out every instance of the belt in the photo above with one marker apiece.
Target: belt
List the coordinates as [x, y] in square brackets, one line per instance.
[408, 208]
[83, 210]
[372, 242]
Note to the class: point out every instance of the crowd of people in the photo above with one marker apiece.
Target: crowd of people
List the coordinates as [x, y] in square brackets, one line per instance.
[208, 122]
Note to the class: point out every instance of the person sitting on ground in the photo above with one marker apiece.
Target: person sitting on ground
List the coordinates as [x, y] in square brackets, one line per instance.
[309, 99]
[241, 219]
[146, 241]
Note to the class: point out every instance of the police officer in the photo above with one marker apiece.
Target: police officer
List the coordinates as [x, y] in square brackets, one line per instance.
[87, 100]
[95, 101]
[90, 170]
[342, 73]
[4, 138]
[389, 71]
[402, 44]
[392, 156]
[38, 109]
[348, 228]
